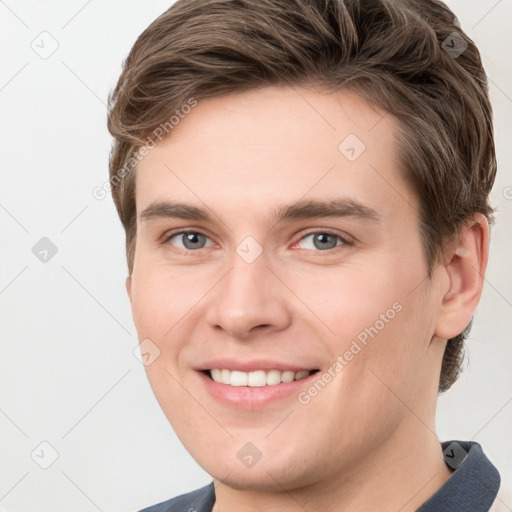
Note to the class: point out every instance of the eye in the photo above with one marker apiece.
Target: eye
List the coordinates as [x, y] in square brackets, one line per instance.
[322, 241]
[189, 240]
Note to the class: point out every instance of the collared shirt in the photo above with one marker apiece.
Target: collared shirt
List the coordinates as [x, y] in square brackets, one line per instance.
[472, 487]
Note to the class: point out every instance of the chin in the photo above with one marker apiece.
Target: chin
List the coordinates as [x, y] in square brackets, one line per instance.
[261, 481]
[269, 476]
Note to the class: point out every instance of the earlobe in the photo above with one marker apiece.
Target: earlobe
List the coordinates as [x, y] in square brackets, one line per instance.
[465, 267]
[128, 284]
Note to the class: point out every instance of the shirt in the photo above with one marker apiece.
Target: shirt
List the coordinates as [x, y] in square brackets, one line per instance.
[472, 487]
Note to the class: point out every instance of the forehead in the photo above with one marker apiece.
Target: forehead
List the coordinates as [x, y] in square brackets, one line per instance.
[249, 152]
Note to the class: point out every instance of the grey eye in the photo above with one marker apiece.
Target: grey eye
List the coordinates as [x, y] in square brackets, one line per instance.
[321, 241]
[190, 240]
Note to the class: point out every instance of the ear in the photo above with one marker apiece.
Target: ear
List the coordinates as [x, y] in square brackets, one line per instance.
[128, 284]
[465, 266]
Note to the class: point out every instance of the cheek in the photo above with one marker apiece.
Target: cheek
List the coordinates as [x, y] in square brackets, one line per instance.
[377, 316]
[350, 301]
[161, 300]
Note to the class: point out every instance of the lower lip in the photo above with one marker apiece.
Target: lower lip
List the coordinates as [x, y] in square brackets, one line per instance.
[246, 397]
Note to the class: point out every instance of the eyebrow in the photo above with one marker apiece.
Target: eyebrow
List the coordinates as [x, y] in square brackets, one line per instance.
[297, 211]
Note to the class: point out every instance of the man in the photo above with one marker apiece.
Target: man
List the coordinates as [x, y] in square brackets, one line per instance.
[304, 188]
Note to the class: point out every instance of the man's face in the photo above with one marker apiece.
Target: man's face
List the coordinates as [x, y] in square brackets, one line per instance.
[307, 264]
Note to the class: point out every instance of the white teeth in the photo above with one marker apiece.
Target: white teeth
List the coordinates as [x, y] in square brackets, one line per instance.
[225, 377]
[217, 375]
[239, 378]
[258, 378]
[287, 376]
[273, 377]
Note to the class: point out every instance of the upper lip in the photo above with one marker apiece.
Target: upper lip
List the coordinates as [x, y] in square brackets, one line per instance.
[252, 365]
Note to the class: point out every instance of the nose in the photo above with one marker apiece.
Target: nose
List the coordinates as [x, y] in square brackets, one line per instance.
[249, 299]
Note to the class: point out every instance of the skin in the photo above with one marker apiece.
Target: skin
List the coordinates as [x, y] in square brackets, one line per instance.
[367, 441]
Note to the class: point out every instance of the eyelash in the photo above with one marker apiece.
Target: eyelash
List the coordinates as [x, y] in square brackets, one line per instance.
[345, 241]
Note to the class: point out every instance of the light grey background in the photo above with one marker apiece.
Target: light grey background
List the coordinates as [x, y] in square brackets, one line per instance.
[68, 374]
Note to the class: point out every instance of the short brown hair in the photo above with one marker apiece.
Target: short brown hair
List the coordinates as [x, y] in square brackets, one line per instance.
[398, 54]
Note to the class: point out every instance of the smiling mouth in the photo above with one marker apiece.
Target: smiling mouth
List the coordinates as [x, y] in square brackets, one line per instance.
[256, 379]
